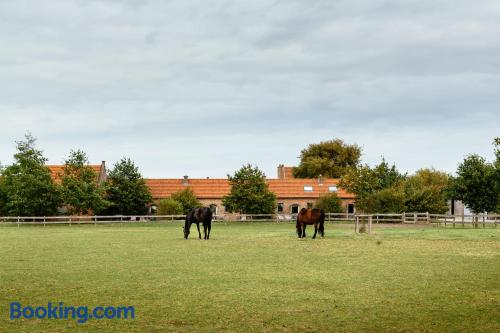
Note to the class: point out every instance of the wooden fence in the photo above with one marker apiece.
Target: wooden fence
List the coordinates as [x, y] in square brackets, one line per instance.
[404, 218]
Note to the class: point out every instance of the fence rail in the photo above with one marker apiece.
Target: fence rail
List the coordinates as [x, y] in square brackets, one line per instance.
[404, 218]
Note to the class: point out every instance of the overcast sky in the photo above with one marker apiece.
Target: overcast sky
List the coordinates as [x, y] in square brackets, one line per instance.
[200, 87]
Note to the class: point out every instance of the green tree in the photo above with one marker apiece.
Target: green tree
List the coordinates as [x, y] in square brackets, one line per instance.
[169, 207]
[330, 203]
[249, 192]
[27, 184]
[365, 182]
[387, 200]
[126, 190]
[332, 159]
[476, 184]
[187, 199]
[80, 190]
[426, 191]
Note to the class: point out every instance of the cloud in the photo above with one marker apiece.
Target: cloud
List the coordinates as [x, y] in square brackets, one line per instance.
[198, 88]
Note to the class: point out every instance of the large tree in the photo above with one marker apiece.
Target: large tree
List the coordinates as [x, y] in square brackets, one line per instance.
[426, 191]
[249, 192]
[476, 184]
[331, 159]
[80, 190]
[126, 190]
[27, 184]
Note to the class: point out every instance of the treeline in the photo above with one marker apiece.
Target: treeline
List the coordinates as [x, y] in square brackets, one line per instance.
[384, 189]
[27, 187]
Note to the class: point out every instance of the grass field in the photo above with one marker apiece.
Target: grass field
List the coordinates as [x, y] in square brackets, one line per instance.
[255, 277]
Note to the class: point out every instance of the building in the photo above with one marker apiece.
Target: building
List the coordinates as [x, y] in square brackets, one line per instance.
[56, 172]
[292, 194]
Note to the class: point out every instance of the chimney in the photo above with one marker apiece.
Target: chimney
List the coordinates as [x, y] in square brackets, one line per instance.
[320, 179]
[103, 175]
[185, 181]
[281, 173]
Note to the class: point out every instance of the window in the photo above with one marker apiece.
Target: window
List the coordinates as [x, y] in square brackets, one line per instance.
[294, 209]
[281, 207]
[308, 188]
[350, 208]
[332, 188]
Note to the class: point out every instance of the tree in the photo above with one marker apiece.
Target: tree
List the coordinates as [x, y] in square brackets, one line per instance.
[249, 192]
[332, 159]
[169, 207]
[387, 200]
[476, 184]
[27, 184]
[330, 203]
[80, 190]
[187, 199]
[425, 191]
[126, 190]
[365, 182]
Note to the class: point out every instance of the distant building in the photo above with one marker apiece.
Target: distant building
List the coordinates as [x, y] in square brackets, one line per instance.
[56, 171]
[292, 194]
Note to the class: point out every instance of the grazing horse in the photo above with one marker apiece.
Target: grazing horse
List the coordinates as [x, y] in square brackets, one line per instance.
[197, 215]
[310, 216]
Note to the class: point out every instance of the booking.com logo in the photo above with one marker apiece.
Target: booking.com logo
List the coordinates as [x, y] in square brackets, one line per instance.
[60, 311]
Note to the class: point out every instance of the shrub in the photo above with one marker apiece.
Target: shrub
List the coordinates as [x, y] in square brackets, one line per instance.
[330, 203]
[169, 207]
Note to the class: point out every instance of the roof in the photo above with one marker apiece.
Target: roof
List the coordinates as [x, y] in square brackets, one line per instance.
[217, 188]
[56, 171]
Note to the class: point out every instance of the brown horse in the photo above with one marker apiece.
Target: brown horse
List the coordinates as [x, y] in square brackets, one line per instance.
[310, 216]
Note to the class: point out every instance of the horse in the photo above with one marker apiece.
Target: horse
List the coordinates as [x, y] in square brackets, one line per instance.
[197, 215]
[310, 216]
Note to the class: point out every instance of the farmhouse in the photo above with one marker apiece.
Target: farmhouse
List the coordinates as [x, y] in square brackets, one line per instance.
[292, 194]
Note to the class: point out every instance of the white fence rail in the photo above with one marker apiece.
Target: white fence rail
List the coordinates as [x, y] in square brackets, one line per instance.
[404, 218]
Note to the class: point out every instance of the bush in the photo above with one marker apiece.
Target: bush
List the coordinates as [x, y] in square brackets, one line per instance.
[330, 203]
[187, 199]
[169, 207]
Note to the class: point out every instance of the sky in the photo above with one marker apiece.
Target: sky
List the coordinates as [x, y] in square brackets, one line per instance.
[199, 88]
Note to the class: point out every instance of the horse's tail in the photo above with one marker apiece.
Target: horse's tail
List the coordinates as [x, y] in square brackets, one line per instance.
[298, 227]
[322, 222]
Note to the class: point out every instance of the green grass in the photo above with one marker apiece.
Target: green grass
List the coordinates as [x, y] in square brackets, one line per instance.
[256, 277]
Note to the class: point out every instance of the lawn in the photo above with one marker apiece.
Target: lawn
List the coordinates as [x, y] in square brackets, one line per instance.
[255, 277]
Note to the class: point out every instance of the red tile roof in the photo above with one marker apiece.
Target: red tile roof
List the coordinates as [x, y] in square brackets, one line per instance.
[217, 188]
[56, 171]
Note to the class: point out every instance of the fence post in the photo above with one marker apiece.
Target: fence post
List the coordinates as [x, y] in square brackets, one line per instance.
[370, 224]
[414, 218]
[403, 217]
[18, 221]
[356, 222]
[44, 221]
[427, 215]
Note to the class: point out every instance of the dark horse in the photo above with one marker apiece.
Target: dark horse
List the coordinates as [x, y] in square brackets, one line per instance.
[310, 216]
[197, 215]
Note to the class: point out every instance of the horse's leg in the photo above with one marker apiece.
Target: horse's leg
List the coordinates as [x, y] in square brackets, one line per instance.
[204, 230]
[209, 227]
[322, 229]
[198, 226]
[304, 230]
[315, 230]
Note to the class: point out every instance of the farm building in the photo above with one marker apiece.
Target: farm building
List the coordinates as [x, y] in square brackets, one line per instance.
[292, 194]
[56, 172]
